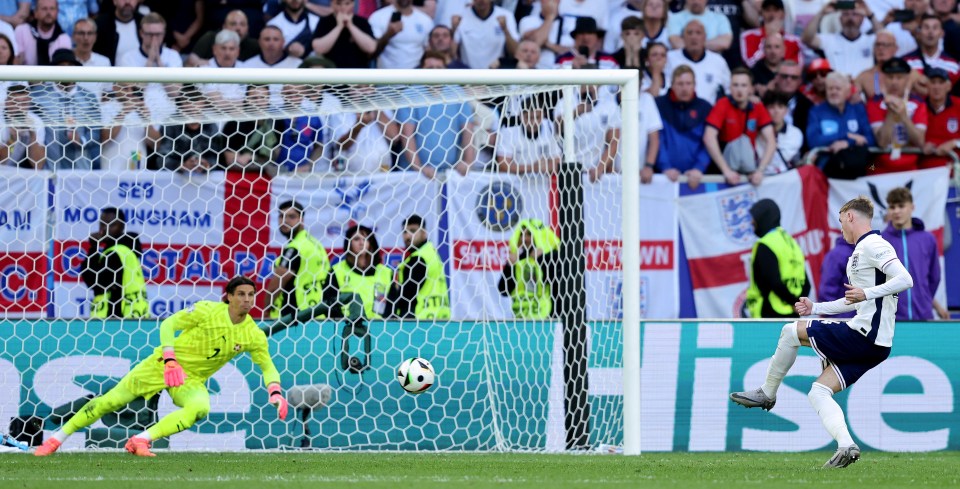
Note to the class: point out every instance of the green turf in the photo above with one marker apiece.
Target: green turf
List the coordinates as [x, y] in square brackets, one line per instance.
[416, 470]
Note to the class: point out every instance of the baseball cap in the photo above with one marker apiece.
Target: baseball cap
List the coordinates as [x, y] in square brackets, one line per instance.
[820, 64]
[895, 66]
[933, 72]
[317, 61]
[64, 55]
[777, 4]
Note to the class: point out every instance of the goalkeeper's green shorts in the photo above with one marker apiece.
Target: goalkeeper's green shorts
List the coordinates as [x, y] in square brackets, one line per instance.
[146, 380]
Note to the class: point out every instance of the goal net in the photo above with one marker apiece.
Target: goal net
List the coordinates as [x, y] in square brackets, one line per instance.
[474, 219]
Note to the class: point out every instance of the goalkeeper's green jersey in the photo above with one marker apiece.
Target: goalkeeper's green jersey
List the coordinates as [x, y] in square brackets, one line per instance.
[209, 339]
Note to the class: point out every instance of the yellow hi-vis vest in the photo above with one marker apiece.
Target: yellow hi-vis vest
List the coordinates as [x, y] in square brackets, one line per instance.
[433, 300]
[792, 272]
[531, 296]
[309, 278]
[372, 289]
[134, 302]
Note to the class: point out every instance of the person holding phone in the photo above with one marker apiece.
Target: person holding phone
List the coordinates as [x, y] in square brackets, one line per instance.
[904, 23]
[401, 32]
[850, 51]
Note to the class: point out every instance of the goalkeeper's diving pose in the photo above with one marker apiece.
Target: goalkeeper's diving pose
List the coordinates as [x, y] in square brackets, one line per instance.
[211, 333]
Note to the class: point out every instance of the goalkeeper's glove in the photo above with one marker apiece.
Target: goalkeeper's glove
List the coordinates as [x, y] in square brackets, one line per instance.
[172, 371]
[277, 399]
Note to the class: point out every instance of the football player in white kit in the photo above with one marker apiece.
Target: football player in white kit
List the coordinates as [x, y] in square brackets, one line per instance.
[846, 349]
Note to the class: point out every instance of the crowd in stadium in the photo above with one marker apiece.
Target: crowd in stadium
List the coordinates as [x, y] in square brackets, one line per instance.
[742, 88]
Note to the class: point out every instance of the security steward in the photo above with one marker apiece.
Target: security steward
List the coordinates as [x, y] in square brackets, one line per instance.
[301, 272]
[361, 272]
[112, 269]
[778, 267]
[420, 288]
[526, 279]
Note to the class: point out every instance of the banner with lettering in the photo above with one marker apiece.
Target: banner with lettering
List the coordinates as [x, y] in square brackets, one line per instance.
[23, 223]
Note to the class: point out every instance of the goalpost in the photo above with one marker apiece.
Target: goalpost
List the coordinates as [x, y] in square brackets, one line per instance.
[504, 383]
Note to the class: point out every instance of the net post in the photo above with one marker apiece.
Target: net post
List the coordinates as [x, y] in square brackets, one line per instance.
[630, 95]
[570, 295]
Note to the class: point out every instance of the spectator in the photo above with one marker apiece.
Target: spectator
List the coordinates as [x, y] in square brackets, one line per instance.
[587, 40]
[14, 12]
[943, 127]
[297, 25]
[22, 133]
[77, 144]
[713, 75]
[631, 52]
[597, 131]
[654, 77]
[906, 28]
[226, 49]
[437, 136]
[716, 27]
[401, 33]
[850, 50]
[84, 37]
[8, 55]
[236, 21]
[345, 38]
[301, 137]
[946, 10]
[778, 275]
[361, 271]
[301, 273]
[126, 121]
[732, 130]
[335, 122]
[787, 82]
[884, 48]
[7, 31]
[364, 149]
[112, 269]
[117, 30]
[530, 146]
[189, 147]
[684, 116]
[752, 42]
[527, 56]
[897, 119]
[843, 128]
[817, 72]
[39, 39]
[272, 54]
[215, 14]
[251, 144]
[764, 71]
[598, 10]
[833, 274]
[152, 52]
[70, 11]
[930, 54]
[420, 288]
[483, 33]
[789, 138]
[918, 251]
[441, 41]
[183, 28]
[550, 30]
[525, 278]
[652, 15]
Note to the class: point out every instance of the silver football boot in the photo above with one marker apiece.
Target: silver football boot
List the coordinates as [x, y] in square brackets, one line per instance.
[752, 399]
[844, 457]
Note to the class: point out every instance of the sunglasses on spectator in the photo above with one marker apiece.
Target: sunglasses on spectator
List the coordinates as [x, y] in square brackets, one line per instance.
[788, 77]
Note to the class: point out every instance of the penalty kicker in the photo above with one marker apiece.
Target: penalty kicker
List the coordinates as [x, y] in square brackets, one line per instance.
[211, 334]
[847, 350]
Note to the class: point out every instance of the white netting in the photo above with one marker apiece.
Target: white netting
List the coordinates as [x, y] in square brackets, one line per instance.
[199, 172]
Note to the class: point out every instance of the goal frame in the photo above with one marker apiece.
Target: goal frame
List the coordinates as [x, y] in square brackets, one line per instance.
[627, 80]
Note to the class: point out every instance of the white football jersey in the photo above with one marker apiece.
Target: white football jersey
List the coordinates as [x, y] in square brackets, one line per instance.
[867, 267]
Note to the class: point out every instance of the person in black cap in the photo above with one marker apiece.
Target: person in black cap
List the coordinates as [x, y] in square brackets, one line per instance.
[778, 277]
[897, 120]
[587, 41]
[943, 128]
[420, 286]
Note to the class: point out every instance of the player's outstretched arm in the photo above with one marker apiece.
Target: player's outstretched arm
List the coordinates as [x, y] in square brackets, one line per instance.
[806, 307]
[277, 399]
[173, 375]
[898, 280]
[271, 377]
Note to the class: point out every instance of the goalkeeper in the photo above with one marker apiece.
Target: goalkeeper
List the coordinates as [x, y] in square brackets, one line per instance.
[212, 333]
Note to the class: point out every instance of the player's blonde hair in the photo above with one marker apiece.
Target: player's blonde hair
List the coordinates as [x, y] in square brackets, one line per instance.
[861, 205]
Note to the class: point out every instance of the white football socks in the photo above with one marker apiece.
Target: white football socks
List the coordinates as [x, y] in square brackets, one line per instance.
[145, 435]
[821, 398]
[60, 436]
[782, 360]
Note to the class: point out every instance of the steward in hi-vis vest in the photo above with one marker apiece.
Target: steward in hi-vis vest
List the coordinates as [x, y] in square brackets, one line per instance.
[420, 290]
[301, 272]
[525, 279]
[778, 275]
[113, 271]
[361, 272]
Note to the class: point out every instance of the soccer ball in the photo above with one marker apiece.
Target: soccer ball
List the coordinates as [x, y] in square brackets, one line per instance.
[416, 375]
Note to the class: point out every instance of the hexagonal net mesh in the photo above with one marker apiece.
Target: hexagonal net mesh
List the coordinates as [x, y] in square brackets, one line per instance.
[379, 222]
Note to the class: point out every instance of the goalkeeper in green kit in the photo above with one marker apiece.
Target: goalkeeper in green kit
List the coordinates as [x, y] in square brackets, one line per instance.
[211, 333]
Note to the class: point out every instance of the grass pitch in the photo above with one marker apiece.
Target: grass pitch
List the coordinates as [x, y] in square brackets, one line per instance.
[301, 470]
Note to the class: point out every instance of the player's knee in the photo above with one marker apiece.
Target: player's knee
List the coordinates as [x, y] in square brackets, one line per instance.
[199, 410]
[817, 392]
[789, 334]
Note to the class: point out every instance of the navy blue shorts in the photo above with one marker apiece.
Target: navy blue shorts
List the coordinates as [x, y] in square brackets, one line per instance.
[849, 353]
